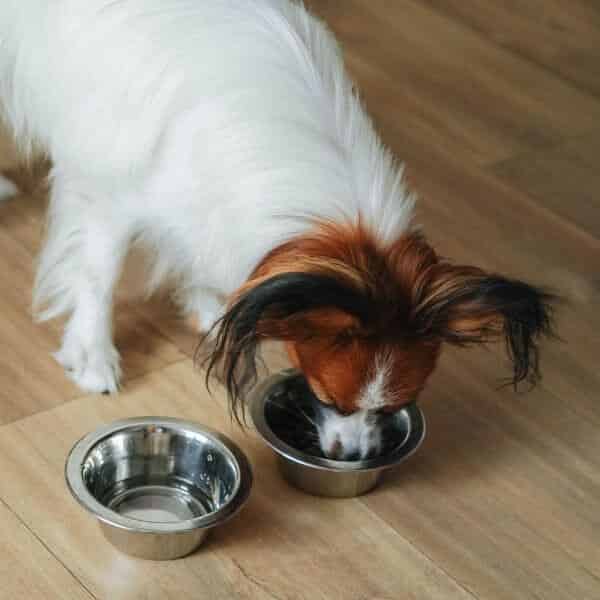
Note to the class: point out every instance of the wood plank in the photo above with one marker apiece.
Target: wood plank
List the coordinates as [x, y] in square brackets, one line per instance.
[283, 545]
[28, 570]
[472, 92]
[564, 179]
[563, 37]
[504, 494]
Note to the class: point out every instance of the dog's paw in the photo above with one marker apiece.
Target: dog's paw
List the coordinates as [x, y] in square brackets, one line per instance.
[7, 189]
[93, 369]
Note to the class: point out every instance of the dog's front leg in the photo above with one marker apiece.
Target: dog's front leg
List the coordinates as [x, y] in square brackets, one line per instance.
[79, 268]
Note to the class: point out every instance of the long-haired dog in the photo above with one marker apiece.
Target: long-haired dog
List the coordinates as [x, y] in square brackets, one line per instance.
[226, 137]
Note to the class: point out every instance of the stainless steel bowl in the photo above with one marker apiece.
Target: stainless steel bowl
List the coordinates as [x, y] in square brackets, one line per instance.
[322, 476]
[157, 485]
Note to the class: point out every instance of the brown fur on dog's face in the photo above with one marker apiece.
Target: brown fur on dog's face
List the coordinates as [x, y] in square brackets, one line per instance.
[365, 321]
[340, 374]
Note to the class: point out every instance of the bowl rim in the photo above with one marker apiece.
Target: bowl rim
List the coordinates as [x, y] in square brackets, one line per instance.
[256, 403]
[82, 448]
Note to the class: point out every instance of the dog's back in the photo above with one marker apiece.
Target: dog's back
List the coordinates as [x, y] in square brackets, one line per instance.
[99, 83]
[96, 82]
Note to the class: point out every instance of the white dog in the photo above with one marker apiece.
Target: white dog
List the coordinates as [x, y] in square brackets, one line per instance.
[226, 137]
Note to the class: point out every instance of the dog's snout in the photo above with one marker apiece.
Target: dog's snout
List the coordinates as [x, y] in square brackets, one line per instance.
[337, 451]
[354, 437]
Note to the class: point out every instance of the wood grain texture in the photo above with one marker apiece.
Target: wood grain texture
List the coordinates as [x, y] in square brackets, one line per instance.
[563, 37]
[564, 179]
[504, 493]
[485, 101]
[28, 570]
[283, 545]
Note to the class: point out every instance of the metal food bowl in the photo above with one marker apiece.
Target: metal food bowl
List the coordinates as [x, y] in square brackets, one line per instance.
[157, 485]
[306, 468]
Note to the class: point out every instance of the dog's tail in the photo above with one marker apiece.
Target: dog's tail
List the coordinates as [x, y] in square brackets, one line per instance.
[7, 188]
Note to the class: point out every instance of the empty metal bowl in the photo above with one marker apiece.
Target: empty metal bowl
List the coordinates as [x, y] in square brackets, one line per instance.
[310, 471]
[157, 485]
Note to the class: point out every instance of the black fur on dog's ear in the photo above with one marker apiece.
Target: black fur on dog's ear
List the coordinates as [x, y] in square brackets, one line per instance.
[464, 305]
[279, 308]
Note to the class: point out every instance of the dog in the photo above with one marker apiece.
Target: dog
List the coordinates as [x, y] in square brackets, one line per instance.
[227, 139]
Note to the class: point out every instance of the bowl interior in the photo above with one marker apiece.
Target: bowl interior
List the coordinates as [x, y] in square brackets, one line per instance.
[160, 474]
[288, 409]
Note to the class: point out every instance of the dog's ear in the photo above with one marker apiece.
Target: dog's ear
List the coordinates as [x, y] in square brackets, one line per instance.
[290, 307]
[464, 305]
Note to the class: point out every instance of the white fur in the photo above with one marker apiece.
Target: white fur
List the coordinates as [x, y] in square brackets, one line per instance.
[207, 131]
[375, 394]
[352, 436]
[7, 189]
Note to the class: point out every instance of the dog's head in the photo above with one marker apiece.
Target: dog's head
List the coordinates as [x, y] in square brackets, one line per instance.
[365, 323]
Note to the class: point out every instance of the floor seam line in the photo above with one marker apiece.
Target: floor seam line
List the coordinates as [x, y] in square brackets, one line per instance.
[420, 551]
[83, 396]
[47, 548]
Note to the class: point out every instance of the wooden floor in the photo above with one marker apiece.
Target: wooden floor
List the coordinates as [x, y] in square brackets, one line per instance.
[495, 106]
